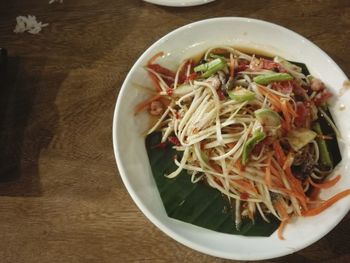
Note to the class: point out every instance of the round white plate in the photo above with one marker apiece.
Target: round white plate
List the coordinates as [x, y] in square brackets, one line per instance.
[132, 158]
[179, 3]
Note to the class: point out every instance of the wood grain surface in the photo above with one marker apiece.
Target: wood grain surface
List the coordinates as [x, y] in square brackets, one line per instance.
[61, 198]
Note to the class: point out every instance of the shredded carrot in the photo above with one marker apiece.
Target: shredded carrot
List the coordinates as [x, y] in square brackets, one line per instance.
[319, 209]
[267, 178]
[275, 101]
[326, 184]
[239, 165]
[314, 194]
[276, 177]
[286, 115]
[295, 183]
[282, 211]
[297, 187]
[143, 104]
[232, 66]
[296, 191]
[280, 229]
[155, 57]
[289, 161]
[215, 166]
[274, 171]
[231, 144]
[245, 186]
[291, 110]
[291, 193]
[274, 108]
[280, 156]
[277, 182]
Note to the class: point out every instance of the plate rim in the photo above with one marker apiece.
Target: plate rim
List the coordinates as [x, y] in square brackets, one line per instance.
[180, 4]
[173, 234]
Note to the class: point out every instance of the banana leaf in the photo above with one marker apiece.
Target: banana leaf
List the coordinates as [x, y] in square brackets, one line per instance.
[332, 144]
[303, 67]
[197, 203]
[326, 129]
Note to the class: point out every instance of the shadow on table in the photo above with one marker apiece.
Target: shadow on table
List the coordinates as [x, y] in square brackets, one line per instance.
[22, 138]
[28, 115]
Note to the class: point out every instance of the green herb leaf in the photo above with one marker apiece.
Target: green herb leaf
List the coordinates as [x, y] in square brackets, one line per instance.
[325, 158]
[241, 95]
[211, 67]
[332, 144]
[272, 77]
[249, 145]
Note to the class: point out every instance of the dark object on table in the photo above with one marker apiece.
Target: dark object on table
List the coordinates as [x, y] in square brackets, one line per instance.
[9, 161]
[17, 91]
[3, 64]
[3, 70]
[4, 91]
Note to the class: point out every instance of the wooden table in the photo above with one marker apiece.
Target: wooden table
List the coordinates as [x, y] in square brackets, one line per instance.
[61, 198]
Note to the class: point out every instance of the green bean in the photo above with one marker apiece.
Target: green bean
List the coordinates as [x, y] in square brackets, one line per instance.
[271, 77]
[210, 67]
[325, 158]
[249, 145]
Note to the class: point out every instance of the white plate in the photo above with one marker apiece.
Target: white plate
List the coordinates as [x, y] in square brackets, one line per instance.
[179, 3]
[132, 158]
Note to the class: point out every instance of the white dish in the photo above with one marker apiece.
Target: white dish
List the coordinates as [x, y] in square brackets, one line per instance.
[132, 158]
[179, 3]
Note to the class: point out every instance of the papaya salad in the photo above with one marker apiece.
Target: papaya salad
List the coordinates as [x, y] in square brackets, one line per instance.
[248, 126]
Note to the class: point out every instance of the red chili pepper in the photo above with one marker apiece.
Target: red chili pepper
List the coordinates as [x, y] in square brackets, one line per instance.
[220, 94]
[322, 97]
[169, 82]
[302, 113]
[192, 76]
[170, 92]
[174, 140]
[182, 73]
[244, 196]
[242, 66]
[161, 145]
[161, 70]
